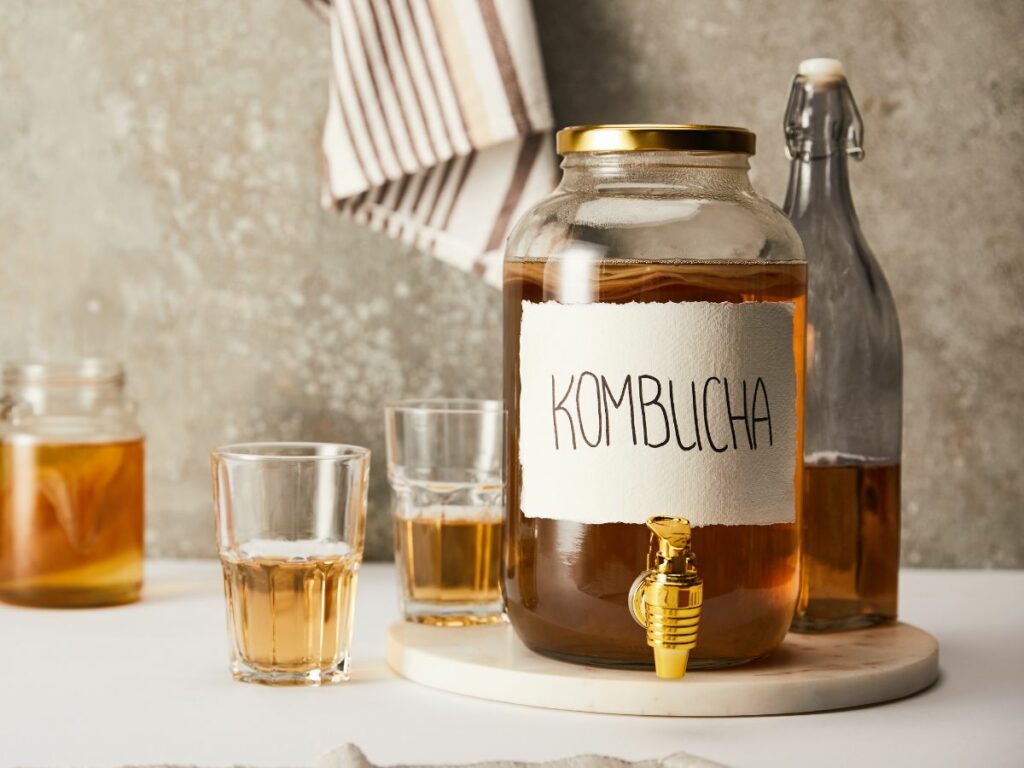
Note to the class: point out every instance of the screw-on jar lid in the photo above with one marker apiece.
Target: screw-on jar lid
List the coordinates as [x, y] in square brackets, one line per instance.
[654, 137]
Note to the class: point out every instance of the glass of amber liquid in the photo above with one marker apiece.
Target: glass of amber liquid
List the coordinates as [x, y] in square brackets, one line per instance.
[445, 465]
[71, 485]
[290, 526]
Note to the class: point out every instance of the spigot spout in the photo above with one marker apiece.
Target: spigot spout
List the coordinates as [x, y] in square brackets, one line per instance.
[666, 599]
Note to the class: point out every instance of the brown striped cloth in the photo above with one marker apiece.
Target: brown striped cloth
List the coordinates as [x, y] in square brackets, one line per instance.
[438, 126]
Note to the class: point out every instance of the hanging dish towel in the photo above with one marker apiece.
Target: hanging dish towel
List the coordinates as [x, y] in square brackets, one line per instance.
[438, 126]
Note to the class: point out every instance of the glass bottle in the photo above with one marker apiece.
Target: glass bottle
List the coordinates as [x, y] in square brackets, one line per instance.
[71, 485]
[644, 299]
[850, 528]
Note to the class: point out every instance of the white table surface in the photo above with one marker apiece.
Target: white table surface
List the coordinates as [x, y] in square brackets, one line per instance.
[148, 683]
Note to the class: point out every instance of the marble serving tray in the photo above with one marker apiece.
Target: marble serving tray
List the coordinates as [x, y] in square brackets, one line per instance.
[808, 673]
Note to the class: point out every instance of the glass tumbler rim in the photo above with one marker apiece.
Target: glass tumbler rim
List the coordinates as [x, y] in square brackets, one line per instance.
[446, 405]
[274, 450]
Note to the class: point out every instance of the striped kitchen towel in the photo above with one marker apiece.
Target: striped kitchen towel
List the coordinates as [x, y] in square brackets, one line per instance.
[438, 126]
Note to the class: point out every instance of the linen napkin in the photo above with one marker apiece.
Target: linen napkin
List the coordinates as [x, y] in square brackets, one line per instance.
[438, 127]
[350, 756]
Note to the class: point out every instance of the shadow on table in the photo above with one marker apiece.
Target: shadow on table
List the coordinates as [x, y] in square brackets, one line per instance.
[370, 671]
[177, 589]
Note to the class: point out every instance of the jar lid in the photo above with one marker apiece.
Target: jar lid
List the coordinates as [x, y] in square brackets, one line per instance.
[654, 137]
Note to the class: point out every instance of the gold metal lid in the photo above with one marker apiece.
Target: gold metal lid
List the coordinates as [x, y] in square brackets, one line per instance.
[643, 138]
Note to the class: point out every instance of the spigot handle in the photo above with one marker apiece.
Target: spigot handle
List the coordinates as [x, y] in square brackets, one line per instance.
[667, 599]
[672, 532]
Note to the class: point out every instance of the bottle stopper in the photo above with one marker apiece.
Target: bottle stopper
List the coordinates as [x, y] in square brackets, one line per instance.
[820, 67]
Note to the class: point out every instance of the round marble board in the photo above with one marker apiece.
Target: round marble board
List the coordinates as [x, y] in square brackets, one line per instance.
[808, 673]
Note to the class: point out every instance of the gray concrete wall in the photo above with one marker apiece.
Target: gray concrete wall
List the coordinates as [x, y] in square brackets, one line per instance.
[159, 180]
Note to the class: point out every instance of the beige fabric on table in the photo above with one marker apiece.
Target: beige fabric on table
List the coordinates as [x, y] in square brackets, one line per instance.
[438, 126]
[350, 756]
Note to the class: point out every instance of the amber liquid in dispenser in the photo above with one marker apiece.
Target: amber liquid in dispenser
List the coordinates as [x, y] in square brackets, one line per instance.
[566, 582]
[290, 613]
[851, 552]
[71, 522]
[451, 556]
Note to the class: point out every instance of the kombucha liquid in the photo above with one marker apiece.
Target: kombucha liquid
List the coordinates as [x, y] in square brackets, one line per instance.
[566, 583]
[291, 613]
[850, 543]
[71, 522]
[450, 558]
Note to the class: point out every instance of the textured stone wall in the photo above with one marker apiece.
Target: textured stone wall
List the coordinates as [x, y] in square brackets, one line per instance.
[159, 180]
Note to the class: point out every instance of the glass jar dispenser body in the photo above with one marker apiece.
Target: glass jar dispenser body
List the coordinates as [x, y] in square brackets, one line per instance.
[71, 478]
[635, 297]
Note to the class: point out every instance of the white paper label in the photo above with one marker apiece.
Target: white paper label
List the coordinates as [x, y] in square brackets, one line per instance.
[633, 410]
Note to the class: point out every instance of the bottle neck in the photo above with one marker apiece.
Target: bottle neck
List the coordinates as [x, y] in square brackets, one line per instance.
[820, 184]
[823, 130]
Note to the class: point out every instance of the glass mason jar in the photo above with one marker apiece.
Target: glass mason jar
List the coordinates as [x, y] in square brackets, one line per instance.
[71, 479]
[654, 353]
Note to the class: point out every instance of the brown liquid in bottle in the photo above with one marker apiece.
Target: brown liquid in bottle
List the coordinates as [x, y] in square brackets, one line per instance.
[566, 583]
[850, 544]
[71, 522]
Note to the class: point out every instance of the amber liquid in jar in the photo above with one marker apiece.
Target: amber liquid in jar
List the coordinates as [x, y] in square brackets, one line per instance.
[850, 542]
[71, 522]
[566, 583]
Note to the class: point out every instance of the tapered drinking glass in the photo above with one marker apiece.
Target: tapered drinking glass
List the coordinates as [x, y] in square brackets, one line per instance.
[445, 465]
[290, 528]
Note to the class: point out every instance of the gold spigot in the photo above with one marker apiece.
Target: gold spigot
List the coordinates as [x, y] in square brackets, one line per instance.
[666, 600]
